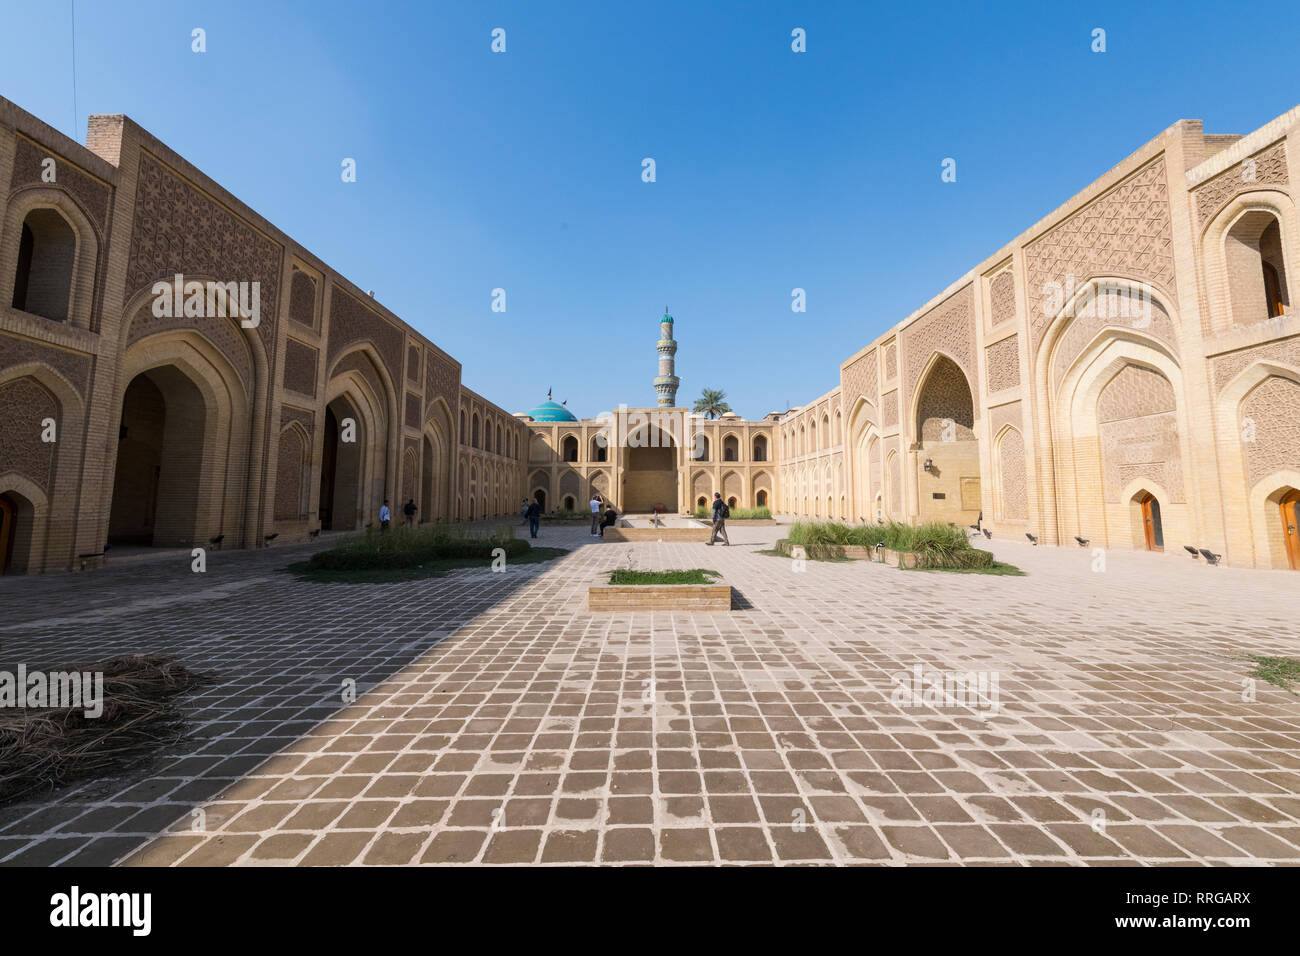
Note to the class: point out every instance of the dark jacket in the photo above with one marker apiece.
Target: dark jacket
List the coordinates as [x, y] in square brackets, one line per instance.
[534, 510]
[717, 509]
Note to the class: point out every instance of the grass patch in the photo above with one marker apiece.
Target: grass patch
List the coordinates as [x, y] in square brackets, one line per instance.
[434, 568]
[403, 554]
[995, 567]
[692, 576]
[737, 514]
[940, 545]
[403, 547]
[1280, 671]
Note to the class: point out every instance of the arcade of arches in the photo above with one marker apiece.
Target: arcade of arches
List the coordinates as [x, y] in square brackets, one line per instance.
[1081, 381]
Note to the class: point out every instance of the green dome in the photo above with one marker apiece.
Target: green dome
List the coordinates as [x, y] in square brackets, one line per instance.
[552, 412]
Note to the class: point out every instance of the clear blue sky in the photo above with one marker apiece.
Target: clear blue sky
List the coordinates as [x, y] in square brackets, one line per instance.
[522, 170]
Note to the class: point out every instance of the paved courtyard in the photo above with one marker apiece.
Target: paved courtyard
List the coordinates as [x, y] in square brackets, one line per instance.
[497, 721]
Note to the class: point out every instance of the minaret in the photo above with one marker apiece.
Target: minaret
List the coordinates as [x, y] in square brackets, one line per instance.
[666, 381]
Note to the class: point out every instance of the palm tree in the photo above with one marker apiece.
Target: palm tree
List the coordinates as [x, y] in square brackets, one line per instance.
[711, 403]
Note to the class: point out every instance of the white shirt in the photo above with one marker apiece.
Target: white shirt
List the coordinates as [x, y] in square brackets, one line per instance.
[384, 513]
[595, 506]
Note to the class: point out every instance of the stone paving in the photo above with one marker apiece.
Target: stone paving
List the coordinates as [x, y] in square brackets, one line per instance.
[498, 722]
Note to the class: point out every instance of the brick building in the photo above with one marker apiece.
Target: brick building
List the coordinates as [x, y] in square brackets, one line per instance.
[1125, 372]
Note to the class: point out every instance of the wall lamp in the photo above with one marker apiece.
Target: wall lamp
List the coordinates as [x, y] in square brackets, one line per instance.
[929, 463]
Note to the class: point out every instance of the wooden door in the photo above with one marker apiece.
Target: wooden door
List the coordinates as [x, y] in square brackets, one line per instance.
[1291, 527]
[1151, 527]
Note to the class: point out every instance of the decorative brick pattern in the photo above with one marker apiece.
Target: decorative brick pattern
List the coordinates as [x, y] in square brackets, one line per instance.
[413, 410]
[74, 366]
[1273, 408]
[1083, 329]
[945, 397]
[288, 413]
[289, 474]
[226, 334]
[1139, 432]
[441, 380]
[1269, 170]
[1227, 367]
[178, 229]
[24, 404]
[300, 367]
[92, 195]
[949, 328]
[1013, 491]
[351, 322]
[895, 484]
[1125, 232]
[1002, 297]
[302, 299]
[889, 409]
[1002, 363]
[413, 363]
[1008, 414]
[891, 361]
[360, 362]
[861, 380]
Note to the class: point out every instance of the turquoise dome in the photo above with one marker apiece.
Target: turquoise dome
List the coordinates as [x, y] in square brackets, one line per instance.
[552, 412]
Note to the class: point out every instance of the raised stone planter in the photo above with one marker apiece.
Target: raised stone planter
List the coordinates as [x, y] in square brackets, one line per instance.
[900, 559]
[657, 534]
[603, 596]
[854, 551]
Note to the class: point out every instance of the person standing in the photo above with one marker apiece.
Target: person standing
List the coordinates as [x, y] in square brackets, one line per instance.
[534, 515]
[720, 515]
[595, 504]
[408, 509]
[385, 516]
[523, 510]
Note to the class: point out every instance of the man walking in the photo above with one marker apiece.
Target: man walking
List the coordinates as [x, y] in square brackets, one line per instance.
[408, 509]
[720, 515]
[385, 516]
[534, 515]
[595, 515]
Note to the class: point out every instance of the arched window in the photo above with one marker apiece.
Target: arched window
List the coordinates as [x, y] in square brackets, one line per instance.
[499, 448]
[760, 499]
[474, 435]
[598, 450]
[462, 427]
[701, 447]
[730, 448]
[47, 250]
[569, 448]
[731, 502]
[760, 448]
[701, 502]
[569, 502]
[1257, 279]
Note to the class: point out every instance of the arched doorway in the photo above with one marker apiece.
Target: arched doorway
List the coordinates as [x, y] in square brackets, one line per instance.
[948, 460]
[340, 473]
[650, 478]
[1152, 529]
[159, 472]
[1290, 510]
[8, 521]
[540, 497]
[427, 510]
